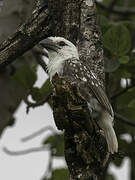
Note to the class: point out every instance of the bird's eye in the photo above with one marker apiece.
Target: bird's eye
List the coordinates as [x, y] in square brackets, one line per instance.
[62, 43]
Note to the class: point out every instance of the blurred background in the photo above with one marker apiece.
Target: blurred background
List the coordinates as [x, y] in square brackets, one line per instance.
[30, 146]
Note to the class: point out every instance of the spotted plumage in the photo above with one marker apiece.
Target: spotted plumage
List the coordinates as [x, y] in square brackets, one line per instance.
[86, 81]
[64, 60]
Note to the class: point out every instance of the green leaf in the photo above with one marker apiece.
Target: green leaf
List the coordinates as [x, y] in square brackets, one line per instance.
[46, 88]
[35, 93]
[117, 40]
[126, 74]
[60, 174]
[124, 59]
[103, 22]
[25, 76]
[130, 67]
[40, 93]
[122, 73]
[126, 99]
[56, 141]
[110, 177]
[128, 113]
[111, 65]
[131, 103]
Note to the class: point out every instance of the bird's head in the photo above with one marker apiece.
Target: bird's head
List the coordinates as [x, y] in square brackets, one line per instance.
[59, 48]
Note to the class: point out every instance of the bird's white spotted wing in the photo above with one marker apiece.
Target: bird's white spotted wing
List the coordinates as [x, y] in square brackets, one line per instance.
[86, 81]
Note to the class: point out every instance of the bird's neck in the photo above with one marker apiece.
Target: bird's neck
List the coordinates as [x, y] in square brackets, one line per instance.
[55, 66]
[57, 60]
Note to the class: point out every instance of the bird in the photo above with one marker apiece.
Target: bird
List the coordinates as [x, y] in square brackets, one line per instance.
[64, 60]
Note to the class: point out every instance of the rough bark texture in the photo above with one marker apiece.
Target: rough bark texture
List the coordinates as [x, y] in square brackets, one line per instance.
[86, 154]
[85, 147]
[90, 46]
[25, 37]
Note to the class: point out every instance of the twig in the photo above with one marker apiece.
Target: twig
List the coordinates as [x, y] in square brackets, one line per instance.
[122, 92]
[48, 173]
[27, 151]
[38, 52]
[38, 133]
[42, 63]
[111, 5]
[1, 3]
[27, 36]
[40, 103]
[37, 3]
[117, 10]
[124, 120]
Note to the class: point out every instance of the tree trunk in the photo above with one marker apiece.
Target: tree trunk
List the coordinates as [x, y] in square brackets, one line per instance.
[85, 153]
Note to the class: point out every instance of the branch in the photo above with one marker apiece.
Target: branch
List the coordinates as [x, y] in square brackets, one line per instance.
[38, 3]
[38, 53]
[27, 35]
[117, 10]
[122, 92]
[111, 5]
[1, 3]
[40, 103]
[27, 151]
[48, 173]
[124, 120]
[38, 133]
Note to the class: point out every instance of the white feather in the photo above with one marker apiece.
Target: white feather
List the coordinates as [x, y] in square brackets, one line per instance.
[56, 59]
[106, 124]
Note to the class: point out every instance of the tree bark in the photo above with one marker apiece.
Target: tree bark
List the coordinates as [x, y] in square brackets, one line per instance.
[85, 153]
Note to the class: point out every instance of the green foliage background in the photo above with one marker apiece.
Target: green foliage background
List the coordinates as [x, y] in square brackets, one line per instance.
[118, 32]
[118, 36]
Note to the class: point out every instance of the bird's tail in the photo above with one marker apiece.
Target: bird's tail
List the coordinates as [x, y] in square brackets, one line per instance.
[106, 124]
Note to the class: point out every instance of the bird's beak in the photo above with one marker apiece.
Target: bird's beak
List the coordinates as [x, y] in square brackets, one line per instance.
[49, 45]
